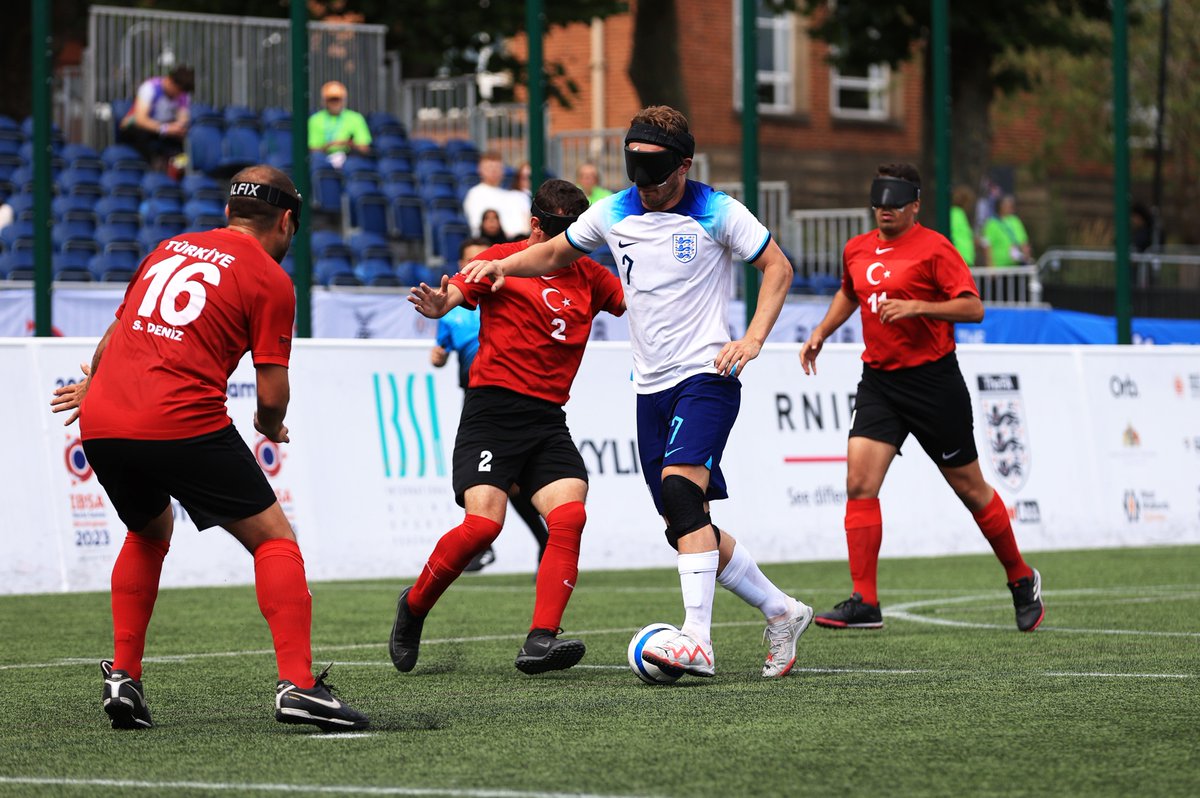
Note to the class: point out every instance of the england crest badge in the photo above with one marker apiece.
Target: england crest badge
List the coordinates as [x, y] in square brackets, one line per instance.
[683, 246]
[1006, 432]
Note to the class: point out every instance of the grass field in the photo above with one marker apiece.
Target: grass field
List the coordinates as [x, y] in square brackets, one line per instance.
[949, 699]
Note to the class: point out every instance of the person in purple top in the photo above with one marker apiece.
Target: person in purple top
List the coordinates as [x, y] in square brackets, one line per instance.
[158, 120]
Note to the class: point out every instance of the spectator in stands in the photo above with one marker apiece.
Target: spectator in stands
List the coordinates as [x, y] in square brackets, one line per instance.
[335, 130]
[6, 215]
[157, 122]
[962, 232]
[1141, 227]
[1005, 238]
[587, 177]
[490, 229]
[458, 332]
[910, 286]
[512, 206]
[523, 179]
[172, 435]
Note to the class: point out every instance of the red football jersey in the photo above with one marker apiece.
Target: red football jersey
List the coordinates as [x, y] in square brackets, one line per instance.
[533, 330]
[197, 303]
[920, 264]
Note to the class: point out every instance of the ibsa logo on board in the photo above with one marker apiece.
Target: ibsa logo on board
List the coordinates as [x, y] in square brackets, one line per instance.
[77, 462]
[410, 429]
[1007, 434]
[269, 456]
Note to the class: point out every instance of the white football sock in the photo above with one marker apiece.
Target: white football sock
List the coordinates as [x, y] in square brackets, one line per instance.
[742, 577]
[698, 582]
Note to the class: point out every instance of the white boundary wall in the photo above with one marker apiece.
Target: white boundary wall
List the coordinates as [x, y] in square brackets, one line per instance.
[1090, 447]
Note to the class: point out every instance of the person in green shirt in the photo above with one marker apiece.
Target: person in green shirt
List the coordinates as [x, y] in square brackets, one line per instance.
[962, 232]
[587, 177]
[1005, 236]
[336, 130]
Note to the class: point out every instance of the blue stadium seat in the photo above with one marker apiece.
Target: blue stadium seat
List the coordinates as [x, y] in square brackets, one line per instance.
[368, 244]
[356, 163]
[280, 160]
[439, 185]
[122, 202]
[406, 272]
[198, 206]
[426, 274]
[154, 180]
[275, 115]
[400, 184]
[74, 177]
[72, 152]
[448, 239]
[240, 115]
[74, 225]
[392, 147]
[154, 207]
[120, 109]
[118, 226]
[206, 114]
[406, 217]
[204, 141]
[381, 123]
[116, 156]
[368, 207]
[17, 264]
[334, 271]
[376, 272]
[72, 264]
[207, 221]
[825, 284]
[277, 141]
[195, 181]
[105, 268]
[20, 230]
[10, 142]
[73, 202]
[21, 204]
[327, 190]
[124, 256]
[288, 264]
[240, 148]
[119, 177]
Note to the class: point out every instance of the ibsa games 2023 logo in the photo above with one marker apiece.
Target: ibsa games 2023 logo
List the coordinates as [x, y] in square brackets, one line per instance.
[410, 431]
[1007, 434]
[77, 462]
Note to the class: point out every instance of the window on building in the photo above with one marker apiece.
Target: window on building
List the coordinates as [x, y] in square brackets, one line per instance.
[776, 75]
[866, 95]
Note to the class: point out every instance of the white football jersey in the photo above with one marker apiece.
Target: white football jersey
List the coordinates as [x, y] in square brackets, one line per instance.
[676, 269]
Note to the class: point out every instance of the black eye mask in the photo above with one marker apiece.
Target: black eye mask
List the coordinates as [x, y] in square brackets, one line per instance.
[652, 168]
[893, 192]
[552, 223]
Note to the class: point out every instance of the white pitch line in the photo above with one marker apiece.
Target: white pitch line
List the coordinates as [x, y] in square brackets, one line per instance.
[1127, 675]
[339, 735]
[326, 789]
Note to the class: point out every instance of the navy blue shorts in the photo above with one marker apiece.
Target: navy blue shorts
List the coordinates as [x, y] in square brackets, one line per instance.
[687, 425]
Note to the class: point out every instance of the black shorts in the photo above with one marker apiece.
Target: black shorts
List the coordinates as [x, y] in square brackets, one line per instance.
[214, 476]
[930, 401]
[506, 438]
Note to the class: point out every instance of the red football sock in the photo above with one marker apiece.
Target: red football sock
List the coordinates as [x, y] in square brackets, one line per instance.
[864, 535]
[134, 590]
[997, 528]
[285, 602]
[560, 565]
[451, 555]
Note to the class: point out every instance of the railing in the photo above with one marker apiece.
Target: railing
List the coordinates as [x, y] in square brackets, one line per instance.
[815, 238]
[238, 60]
[1164, 284]
[1015, 286]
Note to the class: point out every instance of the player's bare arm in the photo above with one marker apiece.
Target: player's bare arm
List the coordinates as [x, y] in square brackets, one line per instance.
[70, 397]
[840, 309]
[966, 308]
[534, 261]
[274, 393]
[777, 278]
[433, 303]
[438, 356]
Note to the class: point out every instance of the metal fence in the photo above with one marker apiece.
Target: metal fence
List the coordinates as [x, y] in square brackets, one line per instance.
[238, 60]
[1016, 286]
[1163, 284]
[815, 238]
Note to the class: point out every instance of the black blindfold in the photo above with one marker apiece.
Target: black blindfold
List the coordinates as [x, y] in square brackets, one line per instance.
[552, 223]
[893, 192]
[652, 168]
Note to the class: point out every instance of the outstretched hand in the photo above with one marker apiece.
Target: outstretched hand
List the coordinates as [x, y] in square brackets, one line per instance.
[477, 270]
[432, 303]
[69, 397]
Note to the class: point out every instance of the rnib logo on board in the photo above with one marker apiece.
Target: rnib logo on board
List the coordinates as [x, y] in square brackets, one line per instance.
[410, 433]
[1007, 435]
[683, 245]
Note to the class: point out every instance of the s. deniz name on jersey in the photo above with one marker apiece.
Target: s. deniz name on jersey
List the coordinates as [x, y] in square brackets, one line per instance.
[161, 330]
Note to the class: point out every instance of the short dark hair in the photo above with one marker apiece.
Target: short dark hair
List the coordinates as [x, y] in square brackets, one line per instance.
[904, 171]
[472, 242]
[561, 197]
[253, 212]
[184, 77]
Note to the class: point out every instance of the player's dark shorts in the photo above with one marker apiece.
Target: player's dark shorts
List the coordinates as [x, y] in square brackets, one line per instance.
[930, 401]
[506, 438]
[687, 424]
[214, 476]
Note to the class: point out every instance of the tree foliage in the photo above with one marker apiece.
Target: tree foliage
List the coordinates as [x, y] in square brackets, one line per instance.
[986, 40]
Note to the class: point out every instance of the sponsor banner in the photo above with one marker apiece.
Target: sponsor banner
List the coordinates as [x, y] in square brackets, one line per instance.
[1087, 447]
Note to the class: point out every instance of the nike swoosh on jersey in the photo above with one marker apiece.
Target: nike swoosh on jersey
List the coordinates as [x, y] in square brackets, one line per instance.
[623, 244]
[670, 452]
[879, 251]
[948, 455]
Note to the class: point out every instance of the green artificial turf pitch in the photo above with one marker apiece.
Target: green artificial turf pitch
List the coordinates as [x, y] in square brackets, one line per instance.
[948, 699]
